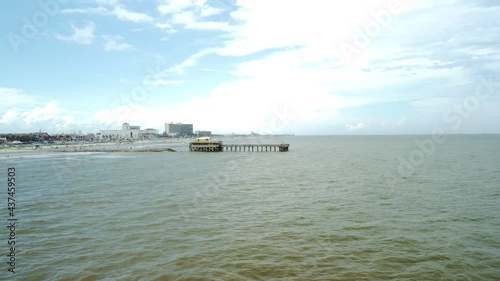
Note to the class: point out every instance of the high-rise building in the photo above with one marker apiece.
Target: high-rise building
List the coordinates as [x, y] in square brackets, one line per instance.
[172, 129]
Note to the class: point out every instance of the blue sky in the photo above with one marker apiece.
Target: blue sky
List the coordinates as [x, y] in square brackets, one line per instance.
[310, 67]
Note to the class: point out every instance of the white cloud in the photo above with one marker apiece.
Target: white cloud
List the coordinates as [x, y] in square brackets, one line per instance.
[399, 124]
[303, 69]
[308, 50]
[49, 117]
[166, 27]
[113, 43]
[92, 11]
[201, 7]
[124, 14]
[162, 82]
[14, 97]
[41, 114]
[358, 126]
[192, 14]
[140, 115]
[207, 70]
[190, 21]
[112, 8]
[107, 2]
[259, 104]
[209, 11]
[173, 6]
[84, 35]
[163, 25]
[9, 116]
[190, 61]
[269, 25]
[284, 56]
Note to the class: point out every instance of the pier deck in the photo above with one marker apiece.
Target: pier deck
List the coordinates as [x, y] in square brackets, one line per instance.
[217, 146]
[255, 147]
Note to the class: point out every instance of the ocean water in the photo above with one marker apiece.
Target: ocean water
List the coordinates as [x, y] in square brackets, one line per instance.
[332, 208]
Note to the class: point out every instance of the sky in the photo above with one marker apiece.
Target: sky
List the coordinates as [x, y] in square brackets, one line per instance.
[310, 67]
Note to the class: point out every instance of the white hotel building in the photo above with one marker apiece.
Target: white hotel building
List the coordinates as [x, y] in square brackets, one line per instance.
[126, 133]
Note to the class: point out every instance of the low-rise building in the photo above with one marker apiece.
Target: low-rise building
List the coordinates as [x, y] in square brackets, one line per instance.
[149, 133]
[89, 137]
[203, 133]
[126, 133]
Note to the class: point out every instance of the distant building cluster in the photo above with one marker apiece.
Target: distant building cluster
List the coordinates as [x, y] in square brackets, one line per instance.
[127, 132]
[179, 129]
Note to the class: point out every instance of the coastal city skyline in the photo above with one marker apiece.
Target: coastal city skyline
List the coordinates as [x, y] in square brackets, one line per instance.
[273, 67]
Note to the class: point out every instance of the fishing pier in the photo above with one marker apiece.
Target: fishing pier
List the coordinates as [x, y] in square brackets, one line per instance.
[208, 145]
[255, 147]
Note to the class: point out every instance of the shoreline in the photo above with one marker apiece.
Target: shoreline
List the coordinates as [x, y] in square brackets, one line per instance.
[143, 146]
